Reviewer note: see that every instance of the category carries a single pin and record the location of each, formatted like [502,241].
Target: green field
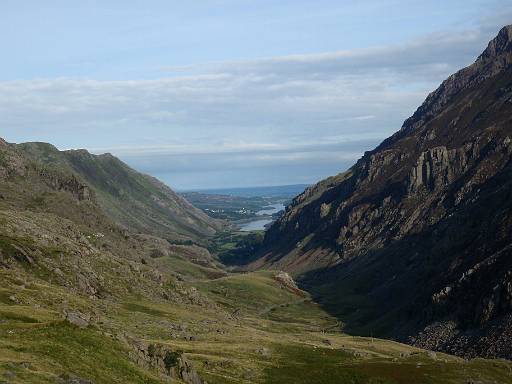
[241,328]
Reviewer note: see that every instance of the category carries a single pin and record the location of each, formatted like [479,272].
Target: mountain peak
[502,43]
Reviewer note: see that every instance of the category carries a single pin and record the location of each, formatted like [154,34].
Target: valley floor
[240,328]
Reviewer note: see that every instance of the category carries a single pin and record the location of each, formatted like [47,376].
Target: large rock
[79,319]
[167,362]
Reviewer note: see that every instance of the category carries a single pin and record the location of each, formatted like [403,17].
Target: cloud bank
[273,120]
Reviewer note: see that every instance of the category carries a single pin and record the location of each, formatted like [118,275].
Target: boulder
[79,319]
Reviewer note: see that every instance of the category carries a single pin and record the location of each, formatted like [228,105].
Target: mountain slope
[139,202]
[83,300]
[413,242]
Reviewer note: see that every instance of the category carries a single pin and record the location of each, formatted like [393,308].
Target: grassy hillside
[139,202]
[238,329]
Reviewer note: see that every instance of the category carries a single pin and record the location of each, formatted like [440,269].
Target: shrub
[171,359]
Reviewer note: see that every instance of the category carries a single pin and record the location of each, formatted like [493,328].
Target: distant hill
[137,201]
[273,191]
[414,241]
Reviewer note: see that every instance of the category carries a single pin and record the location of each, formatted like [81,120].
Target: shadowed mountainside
[414,241]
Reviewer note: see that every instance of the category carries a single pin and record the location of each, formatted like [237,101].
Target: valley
[247,328]
[85,300]
[395,271]
[248,209]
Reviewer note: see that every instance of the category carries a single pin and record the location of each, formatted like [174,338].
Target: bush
[171,359]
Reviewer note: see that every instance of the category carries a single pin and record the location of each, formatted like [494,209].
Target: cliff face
[414,241]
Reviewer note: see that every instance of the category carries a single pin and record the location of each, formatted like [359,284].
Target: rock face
[67,183]
[415,238]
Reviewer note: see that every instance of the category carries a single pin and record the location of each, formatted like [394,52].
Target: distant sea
[273,191]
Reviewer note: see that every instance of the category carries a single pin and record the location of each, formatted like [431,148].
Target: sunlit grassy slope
[243,328]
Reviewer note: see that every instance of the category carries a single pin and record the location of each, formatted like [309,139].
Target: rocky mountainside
[71,269]
[85,300]
[415,241]
[139,202]
[67,202]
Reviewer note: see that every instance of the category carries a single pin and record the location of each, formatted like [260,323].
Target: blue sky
[227,93]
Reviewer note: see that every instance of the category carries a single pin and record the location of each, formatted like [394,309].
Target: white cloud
[253,112]
[283,94]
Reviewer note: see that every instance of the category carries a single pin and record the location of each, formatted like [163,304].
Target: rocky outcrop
[78,319]
[288,283]
[67,183]
[170,363]
[418,227]
[15,163]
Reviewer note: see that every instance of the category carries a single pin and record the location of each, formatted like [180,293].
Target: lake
[259,224]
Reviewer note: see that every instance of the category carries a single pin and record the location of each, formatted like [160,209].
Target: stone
[72,379]
[263,351]
[79,319]
[171,363]
[187,373]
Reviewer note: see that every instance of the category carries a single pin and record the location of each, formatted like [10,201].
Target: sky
[230,93]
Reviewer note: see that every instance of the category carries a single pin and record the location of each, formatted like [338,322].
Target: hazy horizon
[225,190]
[230,93]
